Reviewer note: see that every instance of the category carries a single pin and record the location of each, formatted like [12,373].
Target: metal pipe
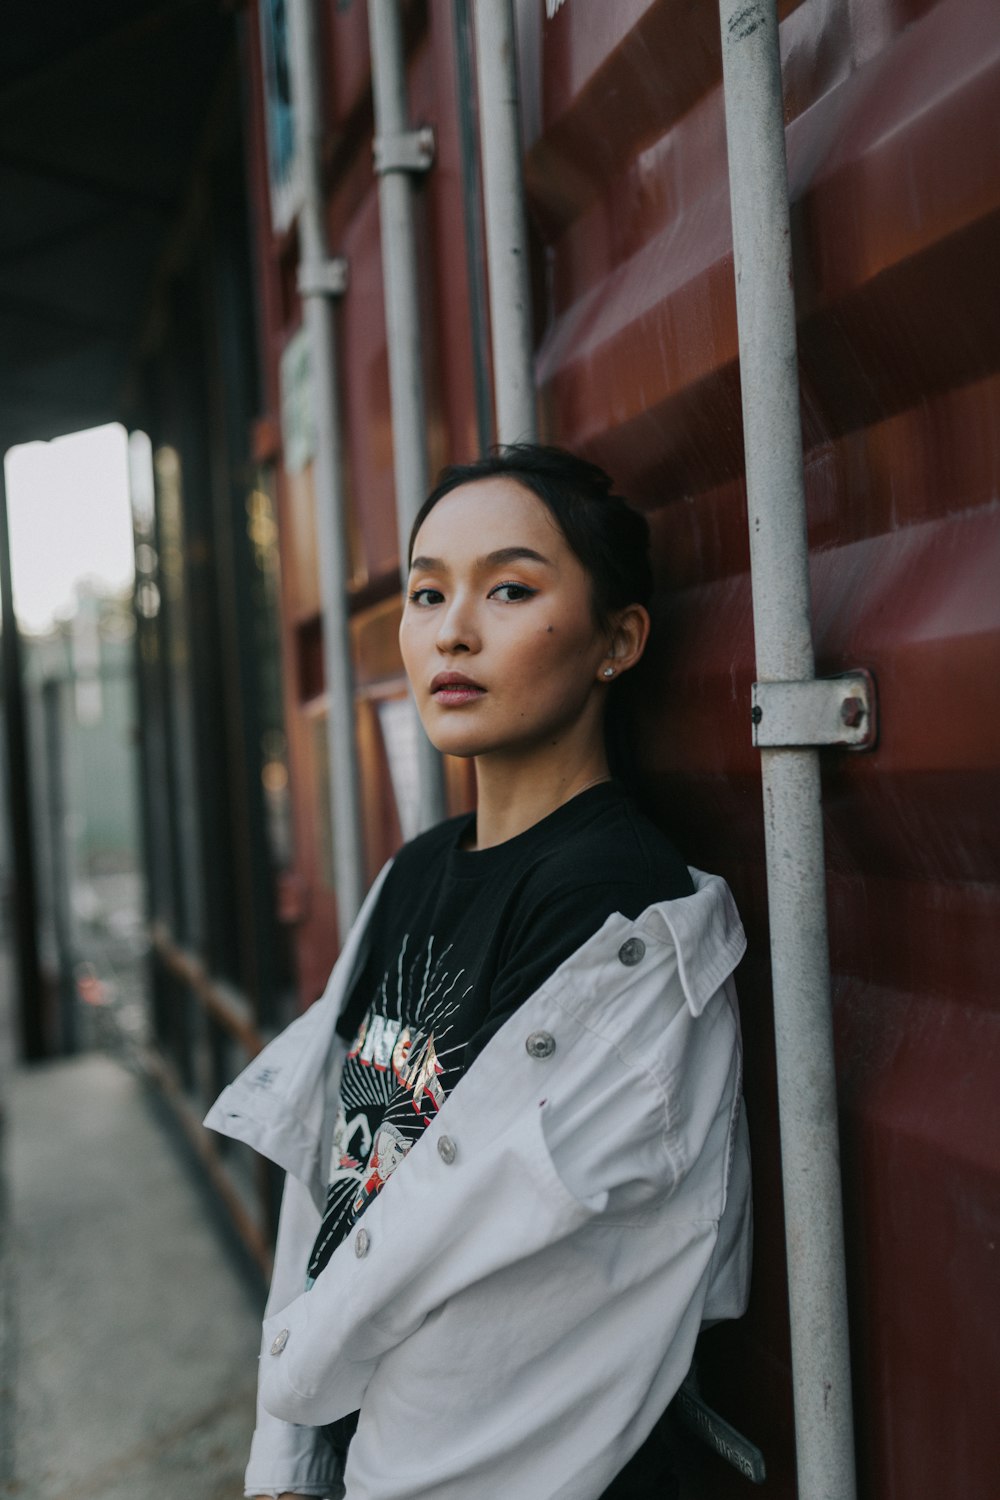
[472,201]
[399,154]
[779,561]
[506,223]
[315,285]
[23,889]
[59,838]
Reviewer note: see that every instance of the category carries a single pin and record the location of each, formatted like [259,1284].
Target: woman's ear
[628,636]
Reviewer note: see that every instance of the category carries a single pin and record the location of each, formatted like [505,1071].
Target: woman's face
[498,635]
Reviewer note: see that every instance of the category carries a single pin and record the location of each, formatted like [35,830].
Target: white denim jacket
[520,1303]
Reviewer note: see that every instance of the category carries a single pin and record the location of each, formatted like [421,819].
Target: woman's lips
[452,689]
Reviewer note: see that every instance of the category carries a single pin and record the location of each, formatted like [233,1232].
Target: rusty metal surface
[353,226]
[894,166]
[894,162]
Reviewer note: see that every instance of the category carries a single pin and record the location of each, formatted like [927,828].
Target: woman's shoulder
[614,845]
[602,858]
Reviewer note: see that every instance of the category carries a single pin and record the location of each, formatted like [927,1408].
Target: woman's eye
[512,593]
[426,596]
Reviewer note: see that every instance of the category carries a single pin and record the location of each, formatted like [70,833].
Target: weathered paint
[894,166]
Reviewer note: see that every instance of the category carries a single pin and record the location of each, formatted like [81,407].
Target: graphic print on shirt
[392,1085]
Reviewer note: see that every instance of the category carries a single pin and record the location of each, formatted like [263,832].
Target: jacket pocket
[548,1175]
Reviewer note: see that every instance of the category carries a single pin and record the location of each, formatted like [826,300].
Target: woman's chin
[461,746]
[452,731]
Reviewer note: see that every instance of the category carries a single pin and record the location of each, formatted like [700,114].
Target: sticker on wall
[282,155]
[400,727]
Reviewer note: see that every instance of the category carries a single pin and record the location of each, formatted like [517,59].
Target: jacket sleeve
[285,1456]
[278,1107]
[597,1137]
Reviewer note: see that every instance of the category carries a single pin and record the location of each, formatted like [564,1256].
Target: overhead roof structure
[103,105]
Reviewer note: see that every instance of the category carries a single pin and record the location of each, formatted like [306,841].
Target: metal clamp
[323,278]
[410,151]
[823,711]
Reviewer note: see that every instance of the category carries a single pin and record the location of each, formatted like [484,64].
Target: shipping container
[894,184]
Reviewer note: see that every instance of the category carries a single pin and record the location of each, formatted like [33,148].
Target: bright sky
[70,518]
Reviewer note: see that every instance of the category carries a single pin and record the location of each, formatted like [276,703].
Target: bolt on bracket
[821,711]
[323,278]
[408,151]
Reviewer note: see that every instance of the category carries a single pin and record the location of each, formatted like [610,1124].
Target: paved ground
[135,1337]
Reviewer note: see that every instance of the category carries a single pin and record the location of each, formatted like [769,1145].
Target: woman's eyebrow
[491,560]
[512,554]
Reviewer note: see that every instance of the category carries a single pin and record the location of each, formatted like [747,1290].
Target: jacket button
[632,952]
[280,1342]
[540,1044]
[447,1150]
[362,1244]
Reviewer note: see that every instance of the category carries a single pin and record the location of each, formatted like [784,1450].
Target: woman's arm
[287,1459]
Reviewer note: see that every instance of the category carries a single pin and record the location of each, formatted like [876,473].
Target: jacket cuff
[286,1457]
[323,1493]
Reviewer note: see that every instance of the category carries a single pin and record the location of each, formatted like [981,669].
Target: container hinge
[323,278]
[823,711]
[720,1436]
[409,151]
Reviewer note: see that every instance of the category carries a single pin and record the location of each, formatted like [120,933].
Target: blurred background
[71,539]
[215,428]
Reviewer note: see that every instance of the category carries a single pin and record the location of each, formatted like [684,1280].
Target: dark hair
[607,535]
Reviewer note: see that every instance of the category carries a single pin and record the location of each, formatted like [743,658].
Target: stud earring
[609,671]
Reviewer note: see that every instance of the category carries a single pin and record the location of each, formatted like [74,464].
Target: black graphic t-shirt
[458,940]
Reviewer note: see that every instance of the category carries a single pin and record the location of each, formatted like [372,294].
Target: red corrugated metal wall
[894,168]
[894,165]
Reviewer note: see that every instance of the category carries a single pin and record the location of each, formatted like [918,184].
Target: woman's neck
[513,797]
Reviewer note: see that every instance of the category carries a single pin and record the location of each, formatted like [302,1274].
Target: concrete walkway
[135,1343]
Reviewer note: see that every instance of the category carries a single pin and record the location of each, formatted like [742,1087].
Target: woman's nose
[456,631]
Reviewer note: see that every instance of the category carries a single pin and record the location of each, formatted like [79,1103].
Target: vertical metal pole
[472,200]
[331,500]
[402,317]
[779,560]
[506,224]
[59,844]
[18,794]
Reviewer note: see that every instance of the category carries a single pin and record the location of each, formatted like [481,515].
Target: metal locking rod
[790,773]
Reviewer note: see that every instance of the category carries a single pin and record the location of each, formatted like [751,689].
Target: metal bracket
[823,711]
[410,151]
[323,278]
[699,1418]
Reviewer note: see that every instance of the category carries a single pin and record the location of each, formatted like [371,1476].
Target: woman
[532,1031]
